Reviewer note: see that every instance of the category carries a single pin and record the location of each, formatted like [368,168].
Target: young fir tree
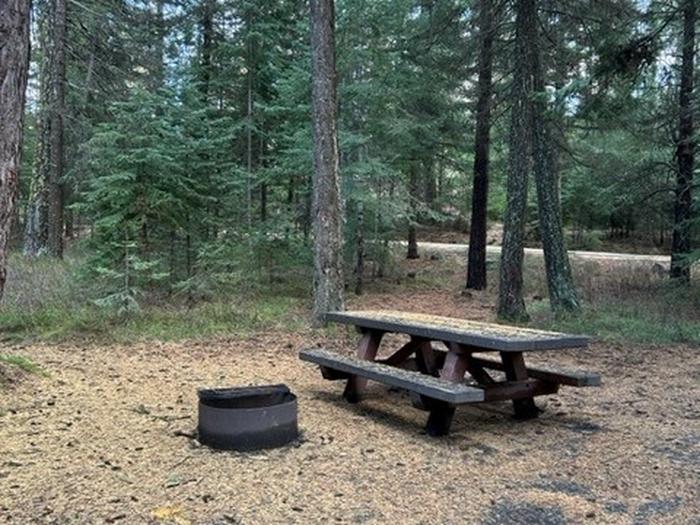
[140,192]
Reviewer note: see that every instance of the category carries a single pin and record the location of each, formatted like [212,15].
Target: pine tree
[327,205]
[511,305]
[476,265]
[57,109]
[562,292]
[685,150]
[141,193]
[14,66]
[36,238]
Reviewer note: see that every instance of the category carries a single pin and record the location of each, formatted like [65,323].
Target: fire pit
[247,418]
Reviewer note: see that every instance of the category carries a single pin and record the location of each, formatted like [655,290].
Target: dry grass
[35,282]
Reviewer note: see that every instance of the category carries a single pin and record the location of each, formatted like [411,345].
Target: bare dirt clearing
[104,438]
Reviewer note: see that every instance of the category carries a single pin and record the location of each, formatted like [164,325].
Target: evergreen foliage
[188,142]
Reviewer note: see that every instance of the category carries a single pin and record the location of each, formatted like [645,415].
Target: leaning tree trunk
[14,64]
[58,83]
[511,305]
[685,150]
[562,292]
[327,205]
[476,267]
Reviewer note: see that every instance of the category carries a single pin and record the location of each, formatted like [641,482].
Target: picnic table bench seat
[436,377]
[432,387]
[563,376]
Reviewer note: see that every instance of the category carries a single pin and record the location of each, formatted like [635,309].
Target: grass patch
[242,316]
[621,323]
[24,364]
[45,300]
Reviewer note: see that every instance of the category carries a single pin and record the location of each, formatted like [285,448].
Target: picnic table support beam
[367,350]
[515,370]
[425,357]
[402,354]
[441,413]
[425,363]
[477,371]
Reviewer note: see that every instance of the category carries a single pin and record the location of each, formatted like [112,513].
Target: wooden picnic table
[436,376]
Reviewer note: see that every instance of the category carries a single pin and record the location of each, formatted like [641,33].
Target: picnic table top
[486,336]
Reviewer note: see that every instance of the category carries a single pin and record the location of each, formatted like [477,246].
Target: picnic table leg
[441,413]
[514,367]
[426,364]
[367,350]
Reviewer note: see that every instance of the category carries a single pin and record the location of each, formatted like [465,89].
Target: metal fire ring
[247,418]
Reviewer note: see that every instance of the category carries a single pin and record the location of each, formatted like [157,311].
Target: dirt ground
[106,437]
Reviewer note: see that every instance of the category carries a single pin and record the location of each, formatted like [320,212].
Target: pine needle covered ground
[105,433]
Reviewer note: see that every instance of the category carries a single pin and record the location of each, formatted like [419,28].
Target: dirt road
[461,249]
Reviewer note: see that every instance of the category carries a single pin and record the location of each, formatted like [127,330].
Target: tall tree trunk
[207,28]
[685,151]
[14,64]
[476,267]
[412,251]
[263,184]
[360,249]
[36,228]
[249,126]
[511,305]
[327,205]
[263,201]
[157,73]
[562,292]
[430,190]
[58,84]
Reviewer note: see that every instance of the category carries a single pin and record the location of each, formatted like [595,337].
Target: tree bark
[511,305]
[157,73]
[562,292]
[207,28]
[327,205]
[263,184]
[412,251]
[360,249]
[430,193]
[685,151]
[14,64]
[249,125]
[36,227]
[58,83]
[476,266]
